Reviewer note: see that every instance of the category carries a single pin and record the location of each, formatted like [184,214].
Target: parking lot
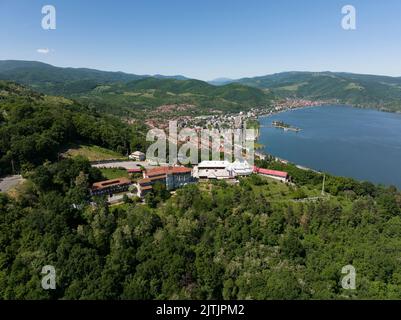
[125,164]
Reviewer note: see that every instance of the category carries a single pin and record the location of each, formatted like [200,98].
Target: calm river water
[360,143]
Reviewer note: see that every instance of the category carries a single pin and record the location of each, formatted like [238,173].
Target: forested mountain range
[380,92]
[55,80]
[117,92]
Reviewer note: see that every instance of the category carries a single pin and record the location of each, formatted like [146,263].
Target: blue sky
[206,39]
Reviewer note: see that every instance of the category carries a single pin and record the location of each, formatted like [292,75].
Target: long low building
[212,170]
[275,174]
[222,169]
[134,170]
[109,187]
[171,177]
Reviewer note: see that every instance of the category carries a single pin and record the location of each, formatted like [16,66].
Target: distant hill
[381,92]
[55,80]
[221,81]
[176,77]
[153,92]
[121,93]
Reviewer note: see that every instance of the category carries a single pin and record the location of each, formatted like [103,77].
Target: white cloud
[43,50]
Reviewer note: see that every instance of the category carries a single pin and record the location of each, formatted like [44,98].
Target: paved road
[123,164]
[9,182]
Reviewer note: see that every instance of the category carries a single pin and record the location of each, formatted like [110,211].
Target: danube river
[360,143]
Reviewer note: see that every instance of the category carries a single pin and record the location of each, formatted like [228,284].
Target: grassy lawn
[279,191]
[93,153]
[114,173]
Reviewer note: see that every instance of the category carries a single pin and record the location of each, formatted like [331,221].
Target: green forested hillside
[357,89]
[126,94]
[53,80]
[35,127]
[151,93]
[123,94]
[255,240]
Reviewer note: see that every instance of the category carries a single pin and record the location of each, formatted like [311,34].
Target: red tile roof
[158,177]
[142,181]
[167,170]
[269,172]
[109,183]
[135,170]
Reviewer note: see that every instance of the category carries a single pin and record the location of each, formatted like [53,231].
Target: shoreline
[272,113]
[262,152]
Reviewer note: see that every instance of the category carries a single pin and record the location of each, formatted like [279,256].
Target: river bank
[361,143]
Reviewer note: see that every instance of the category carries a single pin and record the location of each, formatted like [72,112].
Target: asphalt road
[124,164]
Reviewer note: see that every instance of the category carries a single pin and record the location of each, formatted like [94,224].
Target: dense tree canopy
[208,241]
[35,128]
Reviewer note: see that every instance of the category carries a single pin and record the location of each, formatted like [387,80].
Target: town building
[171,177]
[137,156]
[239,122]
[222,169]
[212,170]
[240,168]
[110,187]
[274,174]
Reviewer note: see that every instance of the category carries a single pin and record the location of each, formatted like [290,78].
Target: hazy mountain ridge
[357,89]
[115,90]
[58,80]
[118,91]
[221,81]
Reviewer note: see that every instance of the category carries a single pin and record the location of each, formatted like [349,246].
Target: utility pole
[12,165]
[324,180]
